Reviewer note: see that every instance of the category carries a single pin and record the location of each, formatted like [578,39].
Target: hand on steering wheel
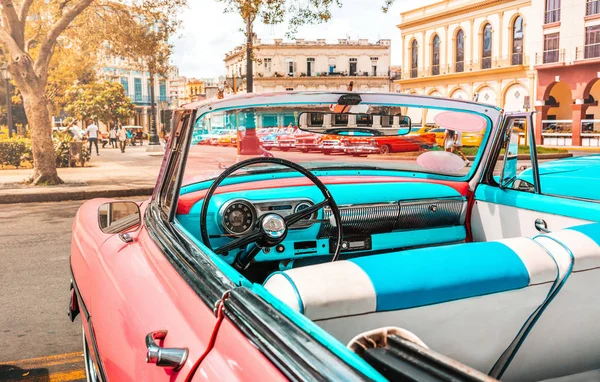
[271,228]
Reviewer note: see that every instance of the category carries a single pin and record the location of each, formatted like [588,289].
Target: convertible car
[247,267]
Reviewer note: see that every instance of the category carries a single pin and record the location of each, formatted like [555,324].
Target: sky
[207,33]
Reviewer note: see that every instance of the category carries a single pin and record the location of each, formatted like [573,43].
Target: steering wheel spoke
[239,243]
[295,218]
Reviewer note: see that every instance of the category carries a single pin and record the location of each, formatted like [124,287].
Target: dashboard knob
[344,245]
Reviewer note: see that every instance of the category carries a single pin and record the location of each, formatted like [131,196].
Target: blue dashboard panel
[344,194]
[574,208]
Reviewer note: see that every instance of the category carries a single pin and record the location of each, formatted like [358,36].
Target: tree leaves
[105,101]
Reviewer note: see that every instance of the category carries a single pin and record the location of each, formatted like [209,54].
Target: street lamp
[6,76]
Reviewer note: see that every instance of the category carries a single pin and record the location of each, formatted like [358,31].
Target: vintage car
[331,144]
[270,140]
[245,267]
[468,138]
[290,141]
[389,144]
[229,139]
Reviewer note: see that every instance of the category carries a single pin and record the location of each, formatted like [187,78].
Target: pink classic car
[242,267]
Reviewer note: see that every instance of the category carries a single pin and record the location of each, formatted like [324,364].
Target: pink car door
[139,292]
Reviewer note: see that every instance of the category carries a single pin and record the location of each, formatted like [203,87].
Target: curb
[62,196]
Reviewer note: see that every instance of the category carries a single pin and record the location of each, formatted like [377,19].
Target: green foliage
[105,101]
[13,151]
[66,149]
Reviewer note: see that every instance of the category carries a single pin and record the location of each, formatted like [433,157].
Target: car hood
[575,177]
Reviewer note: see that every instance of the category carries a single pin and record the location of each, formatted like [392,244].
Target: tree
[104,101]
[29,35]
[145,43]
[272,12]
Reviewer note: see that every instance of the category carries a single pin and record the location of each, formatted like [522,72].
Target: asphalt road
[37,339]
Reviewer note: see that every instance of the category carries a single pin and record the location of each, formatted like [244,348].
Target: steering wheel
[271,228]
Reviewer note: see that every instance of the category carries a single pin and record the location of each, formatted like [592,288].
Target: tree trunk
[249,66]
[44,160]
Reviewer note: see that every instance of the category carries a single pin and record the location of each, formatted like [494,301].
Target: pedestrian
[92,134]
[122,135]
[457,146]
[112,137]
[75,132]
[449,140]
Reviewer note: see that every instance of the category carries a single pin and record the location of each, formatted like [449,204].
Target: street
[37,339]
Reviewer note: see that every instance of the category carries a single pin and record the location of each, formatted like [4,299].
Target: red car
[388,144]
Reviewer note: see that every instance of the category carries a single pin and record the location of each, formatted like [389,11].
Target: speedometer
[238,217]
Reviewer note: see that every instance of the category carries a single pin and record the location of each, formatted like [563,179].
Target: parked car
[258,268]
[468,138]
[301,140]
[229,139]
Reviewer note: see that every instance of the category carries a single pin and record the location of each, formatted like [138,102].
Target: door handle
[164,357]
[541,226]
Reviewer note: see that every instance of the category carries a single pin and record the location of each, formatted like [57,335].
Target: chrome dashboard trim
[398,216]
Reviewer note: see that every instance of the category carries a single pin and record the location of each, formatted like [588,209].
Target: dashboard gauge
[303,206]
[238,217]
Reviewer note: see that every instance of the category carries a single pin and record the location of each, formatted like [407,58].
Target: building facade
[137,87]
[314,65]
[566,43]
[468,49]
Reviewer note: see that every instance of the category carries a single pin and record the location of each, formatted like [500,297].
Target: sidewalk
[112,174]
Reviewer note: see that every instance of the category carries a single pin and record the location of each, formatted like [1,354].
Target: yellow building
[468,49]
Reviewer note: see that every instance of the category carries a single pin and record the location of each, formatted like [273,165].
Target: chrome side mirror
[118,217]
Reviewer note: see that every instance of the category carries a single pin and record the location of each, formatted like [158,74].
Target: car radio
[362,243]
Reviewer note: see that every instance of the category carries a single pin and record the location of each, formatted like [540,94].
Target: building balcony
[487,63]
[587,52]
[320,75]
[554,56]
[144,100]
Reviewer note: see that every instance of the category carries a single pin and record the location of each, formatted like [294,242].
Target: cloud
[208,34]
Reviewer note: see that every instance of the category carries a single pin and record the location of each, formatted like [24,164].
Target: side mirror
[118,217]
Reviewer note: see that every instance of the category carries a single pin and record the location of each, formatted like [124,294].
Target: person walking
[92,134]
[122,135]
[449,140]
[457,146]
[112,137]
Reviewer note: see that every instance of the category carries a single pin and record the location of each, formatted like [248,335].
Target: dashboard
[375,218]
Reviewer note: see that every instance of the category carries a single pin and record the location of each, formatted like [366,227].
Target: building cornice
[305,46]
[461,10]
[515,70]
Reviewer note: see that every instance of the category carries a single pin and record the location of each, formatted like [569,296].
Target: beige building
[468,49]
[315,65]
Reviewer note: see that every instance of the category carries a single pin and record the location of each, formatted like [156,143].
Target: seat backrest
[467,301]
[566,338]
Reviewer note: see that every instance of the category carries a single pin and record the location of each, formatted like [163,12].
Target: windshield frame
[492,115]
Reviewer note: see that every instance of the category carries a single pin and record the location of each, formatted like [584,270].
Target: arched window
[517,42]
[435,56]
[486,45]
[459,55]
[414,65]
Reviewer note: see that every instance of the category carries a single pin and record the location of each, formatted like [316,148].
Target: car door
[522,195]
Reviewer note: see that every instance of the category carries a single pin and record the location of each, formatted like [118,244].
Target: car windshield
[391,138]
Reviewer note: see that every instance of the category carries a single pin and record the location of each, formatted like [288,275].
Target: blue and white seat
[566,338]
[467,301]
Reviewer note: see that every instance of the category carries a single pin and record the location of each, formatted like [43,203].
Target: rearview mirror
[361,124]
[117,217]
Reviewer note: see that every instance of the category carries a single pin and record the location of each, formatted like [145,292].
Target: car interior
[419,251]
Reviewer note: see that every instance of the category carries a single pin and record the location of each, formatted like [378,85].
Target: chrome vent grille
[431,213]
[363,218]
[404,215]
